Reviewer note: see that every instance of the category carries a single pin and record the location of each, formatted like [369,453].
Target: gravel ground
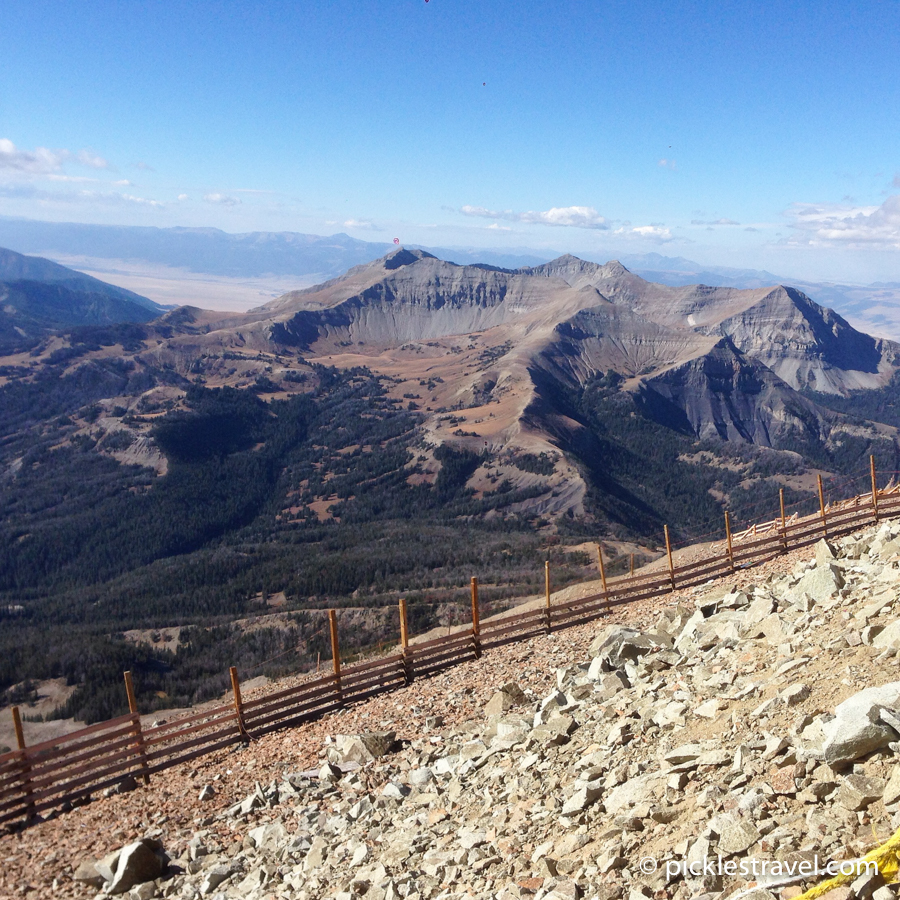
[38,861]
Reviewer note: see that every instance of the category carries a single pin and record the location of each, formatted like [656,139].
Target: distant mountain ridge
[874,308]
[19,267]
[806,345]
[38,297]
[216,252]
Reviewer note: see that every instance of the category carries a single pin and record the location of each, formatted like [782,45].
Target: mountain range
[396,430]
[500,361]
[118,252]
[507,345]
[215,252]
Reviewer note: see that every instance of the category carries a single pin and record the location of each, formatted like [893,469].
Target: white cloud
[896,181]
[221,199]
[836,225]
[73,179]
[659,234]
[41,161]
[123,182]
[495,227]
[182,196]
[667,164]
[360,223]
[144,167]
[90,159]
[21,191]
[564,216]
[141,201]
[714,222]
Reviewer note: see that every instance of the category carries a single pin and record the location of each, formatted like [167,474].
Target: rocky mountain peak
[612,279]
[403,257]
[614,269]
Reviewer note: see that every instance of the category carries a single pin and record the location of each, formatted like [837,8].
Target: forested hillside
[91,547]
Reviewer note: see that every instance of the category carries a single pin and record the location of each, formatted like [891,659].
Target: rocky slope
[756,719]
[805,344]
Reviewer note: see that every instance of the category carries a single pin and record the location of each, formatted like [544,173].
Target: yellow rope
[885,856]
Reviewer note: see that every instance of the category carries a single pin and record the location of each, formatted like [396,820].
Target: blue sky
[762,135]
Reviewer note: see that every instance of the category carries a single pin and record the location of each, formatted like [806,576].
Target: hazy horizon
[722,135]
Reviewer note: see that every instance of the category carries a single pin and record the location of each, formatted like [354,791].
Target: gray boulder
[857,728]
[889,637]
[215,876]
[608,683]
[361,748]
[859,791]
[507,696]
[702,633]
[583,796]
[824,553]
[737,837]
[87,873]
[141,861]
[760,609]
[635,790]
[106,867]
[617,645]
[819,584]
[892,788]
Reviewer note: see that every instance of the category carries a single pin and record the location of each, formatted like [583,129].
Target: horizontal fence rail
[64,771]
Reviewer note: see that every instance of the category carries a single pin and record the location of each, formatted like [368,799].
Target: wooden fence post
[17,725]
[784,538]
[404,641]
[476,619]
[547,592]
[138,731]
[25,769]
[728,539]
[602,574]
[631,567]
[669,554]
[238,702]
[874,486]
[404,625]
[335,652]
[822,507]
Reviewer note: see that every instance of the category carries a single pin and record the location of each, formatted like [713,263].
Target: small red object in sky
[397,240]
